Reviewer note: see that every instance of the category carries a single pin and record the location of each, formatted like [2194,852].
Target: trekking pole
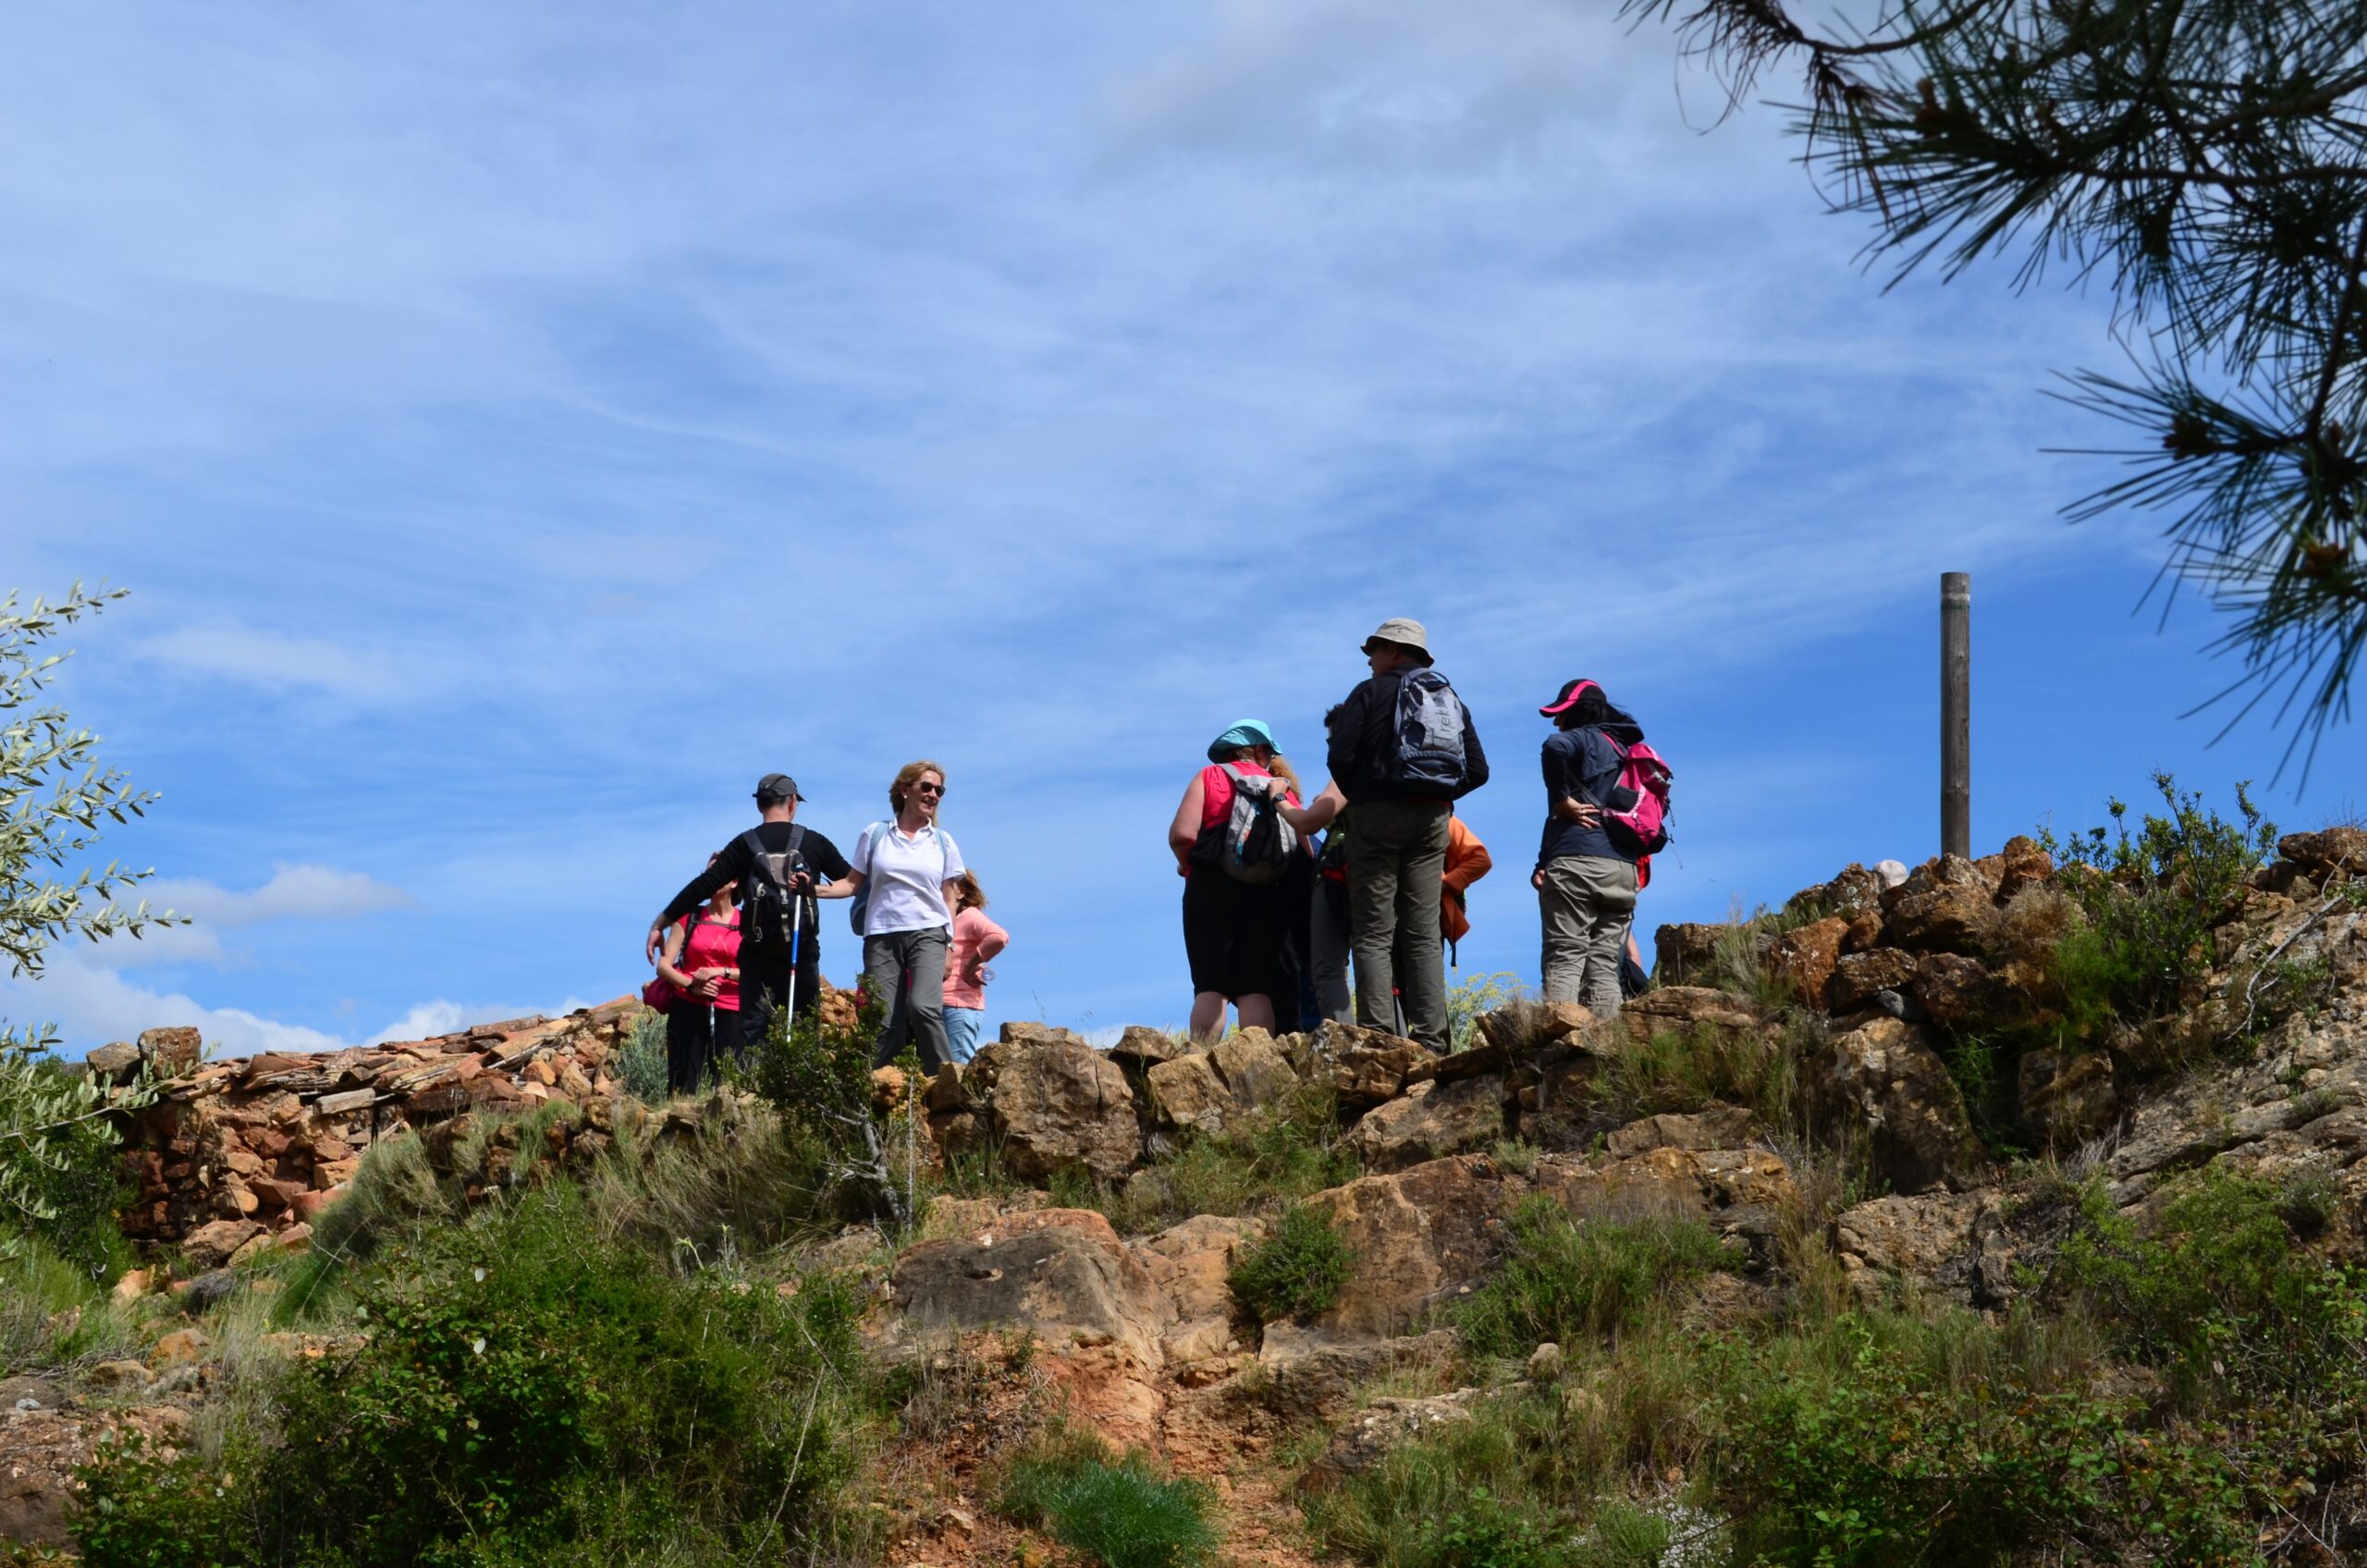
[796,943]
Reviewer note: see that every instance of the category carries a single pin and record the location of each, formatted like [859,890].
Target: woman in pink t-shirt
[702,960]
[1233,930]
[976,939]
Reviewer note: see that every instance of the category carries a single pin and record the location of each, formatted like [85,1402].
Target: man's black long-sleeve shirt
[1364,737]
[732,863]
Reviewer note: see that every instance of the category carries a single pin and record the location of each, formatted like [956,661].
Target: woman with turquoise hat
[1234,852]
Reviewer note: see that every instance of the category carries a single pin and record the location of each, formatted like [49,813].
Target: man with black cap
[1402,751]
[765,965]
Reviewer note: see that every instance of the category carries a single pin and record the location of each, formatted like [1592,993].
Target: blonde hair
[1276,763]
[973,896]
[908,776]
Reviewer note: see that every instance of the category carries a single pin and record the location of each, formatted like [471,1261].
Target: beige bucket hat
[1404,633]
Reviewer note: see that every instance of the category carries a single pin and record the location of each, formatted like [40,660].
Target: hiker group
[1272,923]
[1275,922]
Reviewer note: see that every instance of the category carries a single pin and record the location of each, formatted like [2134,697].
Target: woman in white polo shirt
[910,865]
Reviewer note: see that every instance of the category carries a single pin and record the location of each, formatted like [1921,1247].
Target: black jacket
[1364,740]
[731,864]
[1582,764]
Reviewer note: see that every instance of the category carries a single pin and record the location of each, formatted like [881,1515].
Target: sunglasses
[929,788]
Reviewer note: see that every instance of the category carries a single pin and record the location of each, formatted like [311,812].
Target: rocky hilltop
[1892,1074]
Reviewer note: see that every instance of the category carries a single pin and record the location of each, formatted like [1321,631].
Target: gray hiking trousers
[1586,906]
[907,970]
[1396,857]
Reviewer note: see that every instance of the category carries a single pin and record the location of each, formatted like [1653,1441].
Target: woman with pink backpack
[1606,800]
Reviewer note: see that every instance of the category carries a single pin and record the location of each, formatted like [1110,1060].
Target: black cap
[777,787]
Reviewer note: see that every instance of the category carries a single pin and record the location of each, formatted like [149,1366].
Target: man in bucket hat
[1402,751]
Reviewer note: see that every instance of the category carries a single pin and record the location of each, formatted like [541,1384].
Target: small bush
[1490,1532]
[2224,1300]
[1296,1270]
[1567,1279]
[526,1391]
[1118,1512]
[640,1066]
[1468,997]
[62,1168]
[1886,1460]
[2151,899]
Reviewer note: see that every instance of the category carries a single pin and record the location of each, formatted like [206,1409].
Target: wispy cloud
[273,661]
[294,892]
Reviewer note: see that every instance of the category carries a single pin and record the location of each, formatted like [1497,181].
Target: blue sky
[521,426]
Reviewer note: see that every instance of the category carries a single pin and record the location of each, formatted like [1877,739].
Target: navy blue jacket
[1581,763]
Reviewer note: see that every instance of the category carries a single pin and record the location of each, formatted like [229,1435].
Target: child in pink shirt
[976,939]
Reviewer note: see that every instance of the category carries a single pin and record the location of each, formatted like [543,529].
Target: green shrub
[2224,1300]
[1474,995]
[1488,1531]
[1885,1460]
[1565,1279]
[151,1510]
[66,1183]
[528,1390]
[816,1073]
[1118,1512]
[2152,898]
[640,1065]
[1296,1270]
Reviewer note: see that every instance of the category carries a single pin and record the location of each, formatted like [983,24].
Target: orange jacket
[1467,861]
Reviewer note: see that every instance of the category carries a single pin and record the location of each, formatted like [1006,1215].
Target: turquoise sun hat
[1248,732]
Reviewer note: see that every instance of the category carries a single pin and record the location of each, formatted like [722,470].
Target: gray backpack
[1254,844]
[1427,753]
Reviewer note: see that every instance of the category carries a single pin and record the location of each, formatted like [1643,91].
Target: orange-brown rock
[1804,956]
[1859,976]
[1944,906]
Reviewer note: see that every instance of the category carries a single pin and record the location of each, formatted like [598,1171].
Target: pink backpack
[1642,829]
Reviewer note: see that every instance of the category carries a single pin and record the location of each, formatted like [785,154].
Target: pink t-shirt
[974,936]
[1216,791]
[713,945]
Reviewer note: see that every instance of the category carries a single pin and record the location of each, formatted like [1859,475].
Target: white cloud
[276,661]
[92,1004]
[294,892]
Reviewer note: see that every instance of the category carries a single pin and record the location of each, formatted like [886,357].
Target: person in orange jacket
[1467,861]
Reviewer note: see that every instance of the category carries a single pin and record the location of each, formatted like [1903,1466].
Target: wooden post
[1955,714]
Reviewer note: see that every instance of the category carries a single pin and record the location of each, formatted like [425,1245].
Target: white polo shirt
[904,877]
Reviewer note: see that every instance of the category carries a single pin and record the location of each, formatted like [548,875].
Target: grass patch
[1297,1270]
[1685,1071]
[53,1315]
[1260,1165]
[1565,1279]
[1115,1510]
